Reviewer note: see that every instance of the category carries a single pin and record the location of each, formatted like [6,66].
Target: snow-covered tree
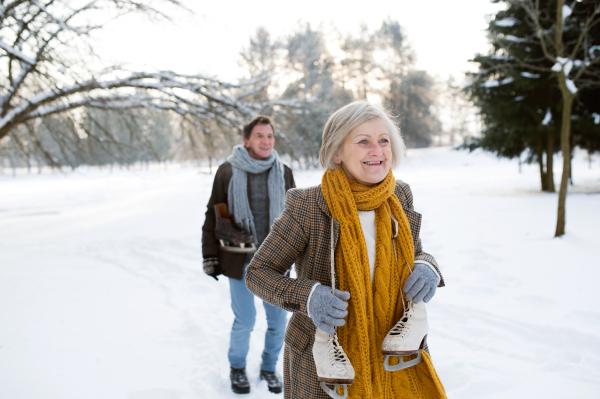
[568,39]
[47,68]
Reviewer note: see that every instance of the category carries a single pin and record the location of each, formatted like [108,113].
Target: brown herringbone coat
[302,236]
[232,264]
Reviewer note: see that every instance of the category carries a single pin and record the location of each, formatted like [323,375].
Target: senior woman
[357,231]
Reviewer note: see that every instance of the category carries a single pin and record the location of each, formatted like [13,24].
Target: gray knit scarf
[238,203]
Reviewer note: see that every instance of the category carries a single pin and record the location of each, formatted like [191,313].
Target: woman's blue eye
[363,142]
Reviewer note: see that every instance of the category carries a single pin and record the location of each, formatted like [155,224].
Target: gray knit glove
[327,310]
[421,284]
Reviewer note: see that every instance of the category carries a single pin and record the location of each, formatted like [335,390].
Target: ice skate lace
[407,264]
[401,328]
[336,353]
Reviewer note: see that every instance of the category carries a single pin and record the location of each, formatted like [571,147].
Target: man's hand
[421,284]
[211,267]
[327,310]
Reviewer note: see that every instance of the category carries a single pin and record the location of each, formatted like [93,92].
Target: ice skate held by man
[248,194]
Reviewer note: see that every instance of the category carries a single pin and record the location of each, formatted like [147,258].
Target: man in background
[253,183]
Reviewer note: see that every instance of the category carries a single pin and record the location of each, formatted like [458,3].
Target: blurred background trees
[61,105]
[60,111]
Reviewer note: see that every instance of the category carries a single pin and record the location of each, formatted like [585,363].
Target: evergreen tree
[520,109]
[557,45]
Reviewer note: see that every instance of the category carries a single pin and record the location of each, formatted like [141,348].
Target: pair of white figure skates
[408,337]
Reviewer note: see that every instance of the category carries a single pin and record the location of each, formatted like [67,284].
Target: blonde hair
[350,116]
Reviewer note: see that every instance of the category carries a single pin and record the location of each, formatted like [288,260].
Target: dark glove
[327,310]
[421,284]
[211,267]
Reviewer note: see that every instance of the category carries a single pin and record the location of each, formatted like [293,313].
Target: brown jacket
[232,264]
[302,236]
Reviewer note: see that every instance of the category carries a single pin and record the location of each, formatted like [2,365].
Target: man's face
[261,141]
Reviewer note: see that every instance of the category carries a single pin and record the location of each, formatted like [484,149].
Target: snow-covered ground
[102,294]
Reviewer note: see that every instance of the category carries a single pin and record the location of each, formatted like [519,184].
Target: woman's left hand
[421,284]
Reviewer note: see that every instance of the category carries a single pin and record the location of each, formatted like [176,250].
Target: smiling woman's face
[366,155]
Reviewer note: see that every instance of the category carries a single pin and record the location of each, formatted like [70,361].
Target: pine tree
[559,45]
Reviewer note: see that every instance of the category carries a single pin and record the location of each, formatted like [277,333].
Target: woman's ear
[337,160]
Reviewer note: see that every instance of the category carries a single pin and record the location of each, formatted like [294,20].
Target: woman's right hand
[328,310]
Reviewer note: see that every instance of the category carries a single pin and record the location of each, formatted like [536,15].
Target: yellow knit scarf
[374,308]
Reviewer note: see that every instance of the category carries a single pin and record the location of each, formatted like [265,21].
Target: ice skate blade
[230,248]
[342,381]
[400,353]
[402,364]
[333,392]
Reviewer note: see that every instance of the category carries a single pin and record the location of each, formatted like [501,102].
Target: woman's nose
[375,151]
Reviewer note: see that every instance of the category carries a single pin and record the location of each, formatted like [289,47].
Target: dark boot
[239,381]
[225,231]
[272,380]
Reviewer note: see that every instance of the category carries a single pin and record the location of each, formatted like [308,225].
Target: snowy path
[102,294]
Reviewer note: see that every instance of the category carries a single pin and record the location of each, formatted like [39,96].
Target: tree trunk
[540,157]
[565,146]
[550,163]
[571,155]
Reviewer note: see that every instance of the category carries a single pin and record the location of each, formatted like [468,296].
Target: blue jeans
[242,304]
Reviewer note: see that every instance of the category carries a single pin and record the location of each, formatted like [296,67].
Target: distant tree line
[61,105]
[323,71]
[114,118]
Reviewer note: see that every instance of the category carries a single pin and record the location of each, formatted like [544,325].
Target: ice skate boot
[231,238]
[333,366]
[408,337]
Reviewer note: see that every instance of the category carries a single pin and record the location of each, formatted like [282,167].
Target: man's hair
[257,120]
[345,119]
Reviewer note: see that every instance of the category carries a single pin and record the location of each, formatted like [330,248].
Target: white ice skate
[333,366]
[408,337]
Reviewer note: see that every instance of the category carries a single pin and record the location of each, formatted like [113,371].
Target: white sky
[444,34]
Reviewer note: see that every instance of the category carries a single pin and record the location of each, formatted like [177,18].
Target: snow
[501,57]
[512,38]
[495,83]
[563,63]
[16,52]
[102,292]
[547,117]
[596,118]
[566,12]
[519,98]
[571,86]
[506,22]
[568,67]
[530,75]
